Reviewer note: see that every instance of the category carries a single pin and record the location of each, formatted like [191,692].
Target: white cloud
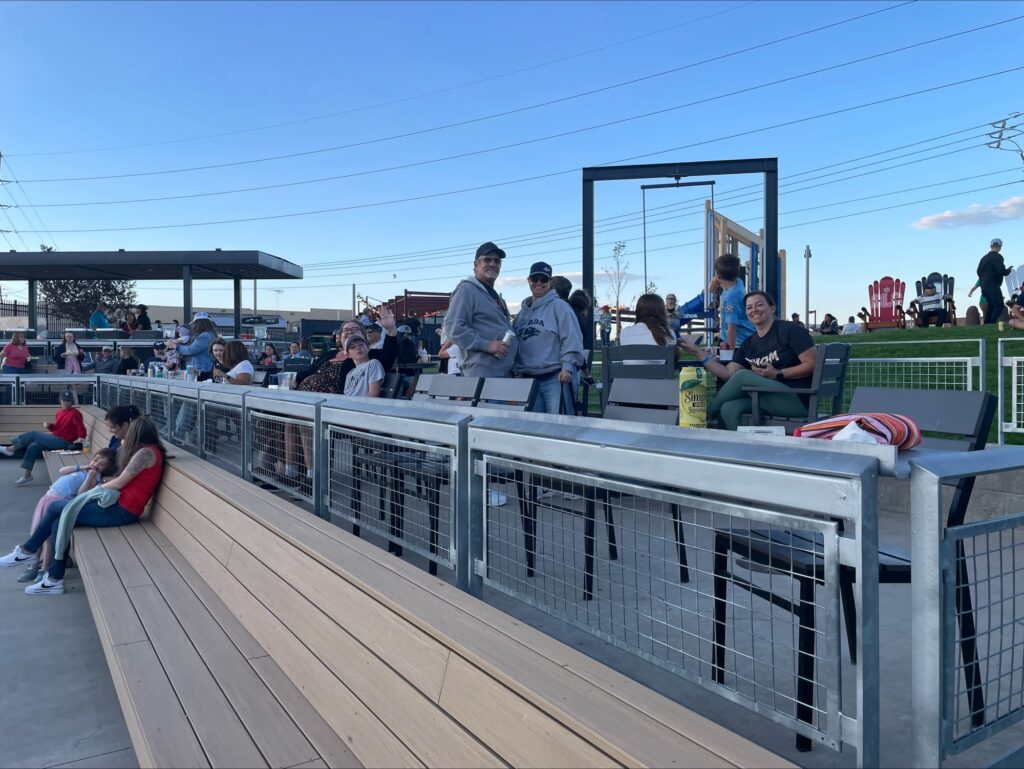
[1013,208]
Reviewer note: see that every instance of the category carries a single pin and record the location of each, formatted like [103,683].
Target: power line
[728,196]
[698,207]
[669,247]
[392,102]
[530,235]
[10,170]
[561,100]
[448,193]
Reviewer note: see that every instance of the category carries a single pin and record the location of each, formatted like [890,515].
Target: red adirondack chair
[885,298]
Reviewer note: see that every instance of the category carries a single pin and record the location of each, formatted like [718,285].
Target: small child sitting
[66,428]
[73,481]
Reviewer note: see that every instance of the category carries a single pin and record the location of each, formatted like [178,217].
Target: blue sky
[112,89]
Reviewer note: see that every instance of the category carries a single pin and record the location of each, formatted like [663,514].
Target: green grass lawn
[960,342]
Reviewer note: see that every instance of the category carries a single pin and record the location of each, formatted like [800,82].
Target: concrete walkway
[57,703]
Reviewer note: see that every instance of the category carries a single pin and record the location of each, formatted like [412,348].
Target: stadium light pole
[807,287]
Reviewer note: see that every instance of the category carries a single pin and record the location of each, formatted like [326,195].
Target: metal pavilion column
[186,302]
[238,306]
[33,307]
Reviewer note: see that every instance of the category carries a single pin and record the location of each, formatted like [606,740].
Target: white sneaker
[46,587]
[547,494]
[496,499]
[7,451]
[23,480]
[18,557]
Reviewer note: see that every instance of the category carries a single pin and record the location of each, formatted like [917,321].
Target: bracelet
[707,358]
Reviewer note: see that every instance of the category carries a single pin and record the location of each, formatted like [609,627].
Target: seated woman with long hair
[140,466]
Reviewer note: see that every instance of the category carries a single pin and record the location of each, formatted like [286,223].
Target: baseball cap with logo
[489,248]
[997,242]
[540,268]
[67,396]
[403,329]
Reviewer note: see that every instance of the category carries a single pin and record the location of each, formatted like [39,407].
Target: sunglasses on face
[539,279]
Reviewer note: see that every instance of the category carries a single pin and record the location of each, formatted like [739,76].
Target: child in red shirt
[67,428]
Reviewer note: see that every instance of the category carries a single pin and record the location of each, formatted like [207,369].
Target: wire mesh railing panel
[283,452]
[984,608]
[108,394]
[124,395]
[48,393]
[222,435]
[184,423]
[159,407]
[140,399]
[743,601]
[8,394]
[910,373]
[1012,413]
[400,489]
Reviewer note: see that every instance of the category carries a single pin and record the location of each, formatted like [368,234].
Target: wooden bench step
[228,704]
[358,586]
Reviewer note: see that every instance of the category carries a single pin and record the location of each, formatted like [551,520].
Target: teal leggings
[731,403]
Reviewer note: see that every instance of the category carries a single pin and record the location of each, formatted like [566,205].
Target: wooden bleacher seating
[243,631]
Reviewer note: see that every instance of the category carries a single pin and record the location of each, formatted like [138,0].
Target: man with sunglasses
[550,342]
[478,320]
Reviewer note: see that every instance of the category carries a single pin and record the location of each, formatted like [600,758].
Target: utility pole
[354,313]
[254,296]
[807,287]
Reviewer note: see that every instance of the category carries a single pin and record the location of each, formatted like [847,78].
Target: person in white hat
[991,271]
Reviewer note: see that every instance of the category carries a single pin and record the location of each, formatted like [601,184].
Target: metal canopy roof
[144,265]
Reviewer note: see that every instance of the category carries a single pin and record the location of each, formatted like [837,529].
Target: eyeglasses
[539,279]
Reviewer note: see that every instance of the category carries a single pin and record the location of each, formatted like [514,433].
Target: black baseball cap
[540,268]
[67,396]
[489,248]
[160,346]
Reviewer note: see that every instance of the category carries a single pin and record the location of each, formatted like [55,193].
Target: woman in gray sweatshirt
[550,342]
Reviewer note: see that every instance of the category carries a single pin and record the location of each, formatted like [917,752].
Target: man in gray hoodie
[478,320]
[550,342]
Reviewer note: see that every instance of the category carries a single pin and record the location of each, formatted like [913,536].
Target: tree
[652,287]
[618,278]
[77,298]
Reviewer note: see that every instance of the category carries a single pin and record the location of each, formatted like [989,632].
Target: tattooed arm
[142,459]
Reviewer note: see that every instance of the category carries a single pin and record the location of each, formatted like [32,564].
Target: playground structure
[769,276]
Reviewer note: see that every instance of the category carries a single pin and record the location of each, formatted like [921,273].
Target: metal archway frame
[768,167]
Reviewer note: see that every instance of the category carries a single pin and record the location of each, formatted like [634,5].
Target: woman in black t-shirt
[779,356]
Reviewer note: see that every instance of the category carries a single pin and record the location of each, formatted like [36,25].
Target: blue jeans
[551,395]
[34,444]
[91,515]
[12,370]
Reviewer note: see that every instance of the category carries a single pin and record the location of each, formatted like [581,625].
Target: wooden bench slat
[151,700]
[495,649]
[115,616]
[269,725]
[220,731]
[130,570]
[328,744]
[363,732]
[471,698]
